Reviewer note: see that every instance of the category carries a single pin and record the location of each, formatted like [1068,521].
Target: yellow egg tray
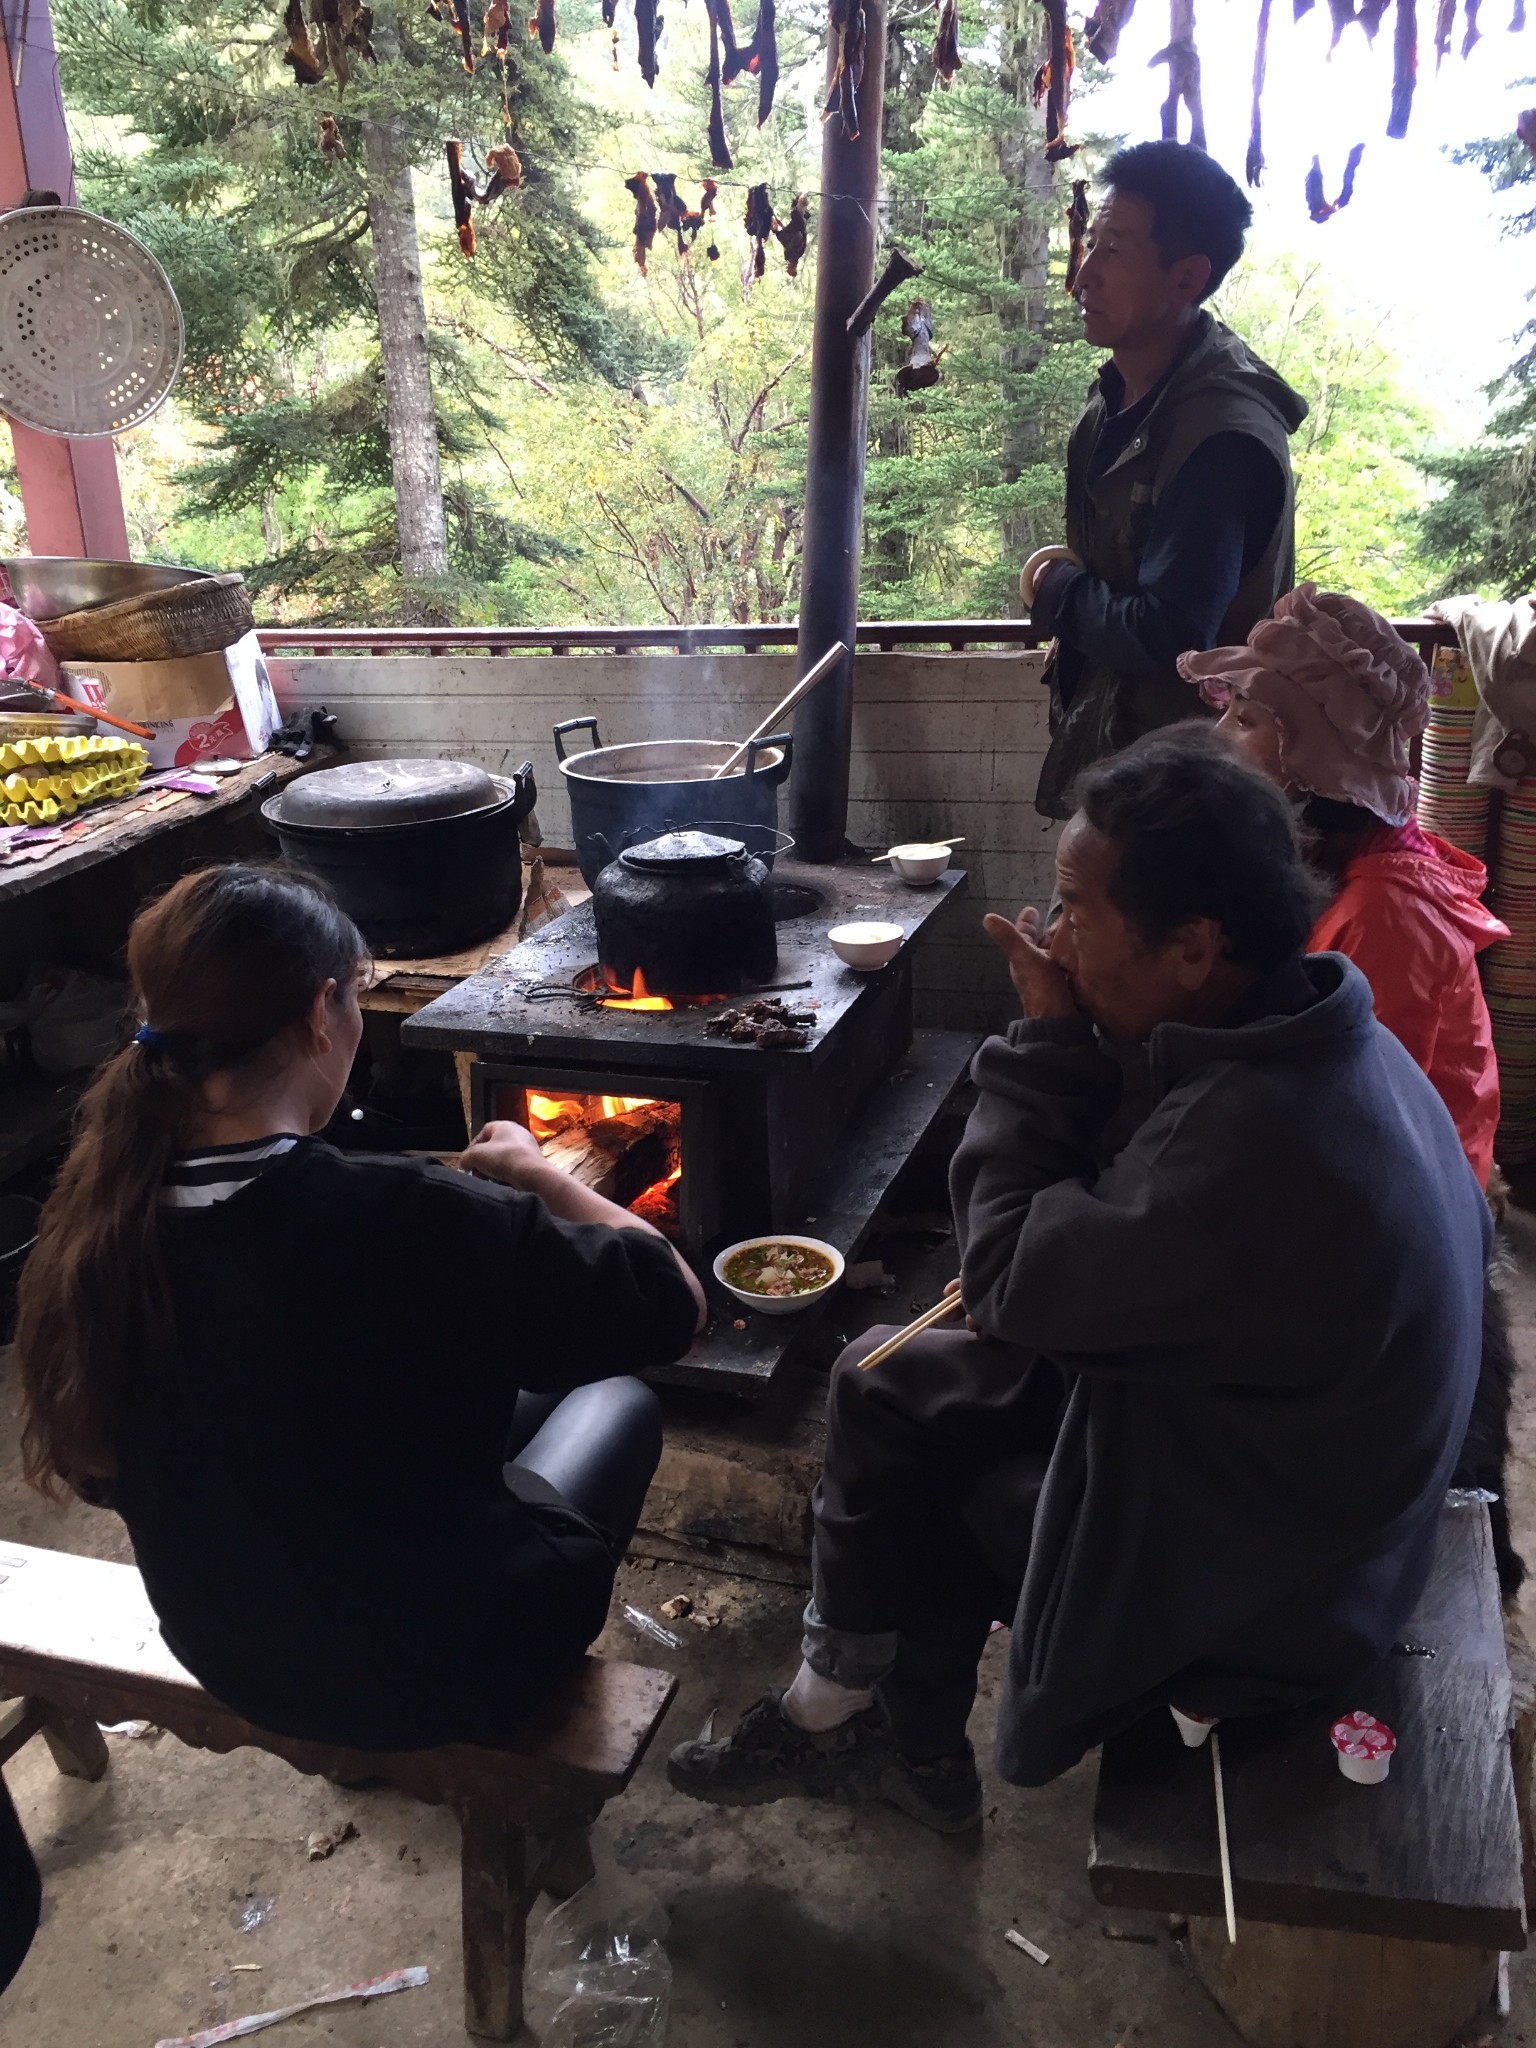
[89,771]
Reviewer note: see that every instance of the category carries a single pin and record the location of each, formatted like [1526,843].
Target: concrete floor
[793,1926]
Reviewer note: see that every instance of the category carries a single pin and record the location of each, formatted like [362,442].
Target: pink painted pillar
[70,490]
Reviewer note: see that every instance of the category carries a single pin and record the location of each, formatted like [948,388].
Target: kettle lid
[673,851]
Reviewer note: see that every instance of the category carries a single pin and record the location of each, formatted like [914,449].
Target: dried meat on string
[847,29]
[762,58]
[1474,34]
[719,143]
[301,57]
[920,372]
[647,27]
[760,224]
[645,217]
[466,38]
[1254,169]
[331,144]
[1077,228]
[1183,61]
[506,169]
[946,44]
[1105,26]
[541,23]
[1319,205]
[1053,83]
[462,191]
[795,233]
[1405,67]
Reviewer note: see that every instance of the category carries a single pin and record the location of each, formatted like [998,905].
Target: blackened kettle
[689,912]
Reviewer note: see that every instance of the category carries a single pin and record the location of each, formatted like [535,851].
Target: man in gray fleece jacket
[1196,1440]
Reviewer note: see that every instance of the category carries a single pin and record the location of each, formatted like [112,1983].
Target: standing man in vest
[1180,503]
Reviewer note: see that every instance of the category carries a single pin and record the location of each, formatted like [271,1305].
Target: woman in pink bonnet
[1326,699]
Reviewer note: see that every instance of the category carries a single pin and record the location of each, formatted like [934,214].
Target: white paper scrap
[253,2023]
[1019,1941]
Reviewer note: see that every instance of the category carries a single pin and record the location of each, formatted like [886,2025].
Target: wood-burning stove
[766,1137]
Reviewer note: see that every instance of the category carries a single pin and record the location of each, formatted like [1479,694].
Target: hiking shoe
[767,1757]
[944,1795]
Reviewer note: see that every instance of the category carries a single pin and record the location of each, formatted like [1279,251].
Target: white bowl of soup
[866,947]
[919,864]
[780,1274]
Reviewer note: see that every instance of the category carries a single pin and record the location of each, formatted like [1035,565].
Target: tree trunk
[1026,244]
[403,344]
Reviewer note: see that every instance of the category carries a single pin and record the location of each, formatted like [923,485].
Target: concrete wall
[943,743]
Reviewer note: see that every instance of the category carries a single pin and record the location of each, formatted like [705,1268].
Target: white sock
[818,1704]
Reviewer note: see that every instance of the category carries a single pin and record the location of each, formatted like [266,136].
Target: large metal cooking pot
[424,856]
[623,794]
[688,910]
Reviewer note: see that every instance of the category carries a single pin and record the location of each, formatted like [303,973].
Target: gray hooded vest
[1218,386]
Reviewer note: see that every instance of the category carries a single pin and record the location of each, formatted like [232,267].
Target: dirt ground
[793,1926]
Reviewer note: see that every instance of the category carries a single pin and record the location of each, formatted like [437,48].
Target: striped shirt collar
[196,1180]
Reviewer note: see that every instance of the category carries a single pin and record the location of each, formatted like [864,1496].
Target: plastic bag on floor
[597,1974]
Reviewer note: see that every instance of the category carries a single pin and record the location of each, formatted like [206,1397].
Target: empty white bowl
[919,864]
[866,946]
[780,1304]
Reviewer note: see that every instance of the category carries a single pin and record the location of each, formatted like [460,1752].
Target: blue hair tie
[148,1036]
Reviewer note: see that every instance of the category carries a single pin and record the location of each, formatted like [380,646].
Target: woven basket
[197,617]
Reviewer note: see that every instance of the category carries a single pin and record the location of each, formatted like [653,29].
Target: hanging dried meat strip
[1105,26]
[506,169]
[921,369]
[462,190]
[645,217]
[1474,34]
[760,224]
[1053,83]
[847,30]
[1405,67]
[1445,29]
[706,211]
[1077,228]
[301,57]
[647,23]
[331,144]
[1371,15]
[733,55]
[541,23]
[1254,169]
[1183,61]
[719,144]
[466,38]
[946,44]
[669,208]
[1300,9]
[1319,205]
[763,57]
[497,30]
[795,233]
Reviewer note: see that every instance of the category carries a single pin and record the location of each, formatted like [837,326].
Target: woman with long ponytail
[367,1420]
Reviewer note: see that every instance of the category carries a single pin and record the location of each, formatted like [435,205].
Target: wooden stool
[1369,1916]
[79,1643]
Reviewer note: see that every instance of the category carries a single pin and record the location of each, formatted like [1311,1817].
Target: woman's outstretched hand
[1043,988]
[507,1152]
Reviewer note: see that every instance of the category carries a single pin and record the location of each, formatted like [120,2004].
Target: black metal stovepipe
[834,470]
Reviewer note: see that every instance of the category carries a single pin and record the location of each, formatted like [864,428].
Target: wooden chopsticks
[936,1314]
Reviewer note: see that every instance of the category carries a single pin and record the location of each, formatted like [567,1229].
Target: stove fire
[611,993]
[627,1147]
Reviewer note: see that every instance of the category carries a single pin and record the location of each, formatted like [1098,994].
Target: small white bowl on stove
[866,947]
[780,1304]
[919,864]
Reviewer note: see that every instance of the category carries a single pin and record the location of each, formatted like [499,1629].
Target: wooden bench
[1369,1916]
[79,1645]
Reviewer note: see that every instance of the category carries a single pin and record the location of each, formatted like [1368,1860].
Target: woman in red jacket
[1326,700]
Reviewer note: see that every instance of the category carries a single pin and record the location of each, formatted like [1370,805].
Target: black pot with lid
[691,912]
[424,855]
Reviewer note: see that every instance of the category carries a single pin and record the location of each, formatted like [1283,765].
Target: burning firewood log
[645,217]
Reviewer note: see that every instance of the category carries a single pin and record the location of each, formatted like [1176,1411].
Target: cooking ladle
[807,682]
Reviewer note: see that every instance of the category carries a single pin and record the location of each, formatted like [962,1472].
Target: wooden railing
[955,636]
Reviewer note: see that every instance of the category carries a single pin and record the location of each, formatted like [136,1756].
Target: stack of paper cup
[1448,804]
[1364,1747]
[1191,1727]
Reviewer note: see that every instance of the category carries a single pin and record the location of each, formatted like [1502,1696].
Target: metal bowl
[49,586]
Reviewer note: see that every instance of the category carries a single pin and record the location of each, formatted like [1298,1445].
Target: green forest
[572,440]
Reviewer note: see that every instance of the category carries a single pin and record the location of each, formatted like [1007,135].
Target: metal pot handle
[786,740]
[574,725]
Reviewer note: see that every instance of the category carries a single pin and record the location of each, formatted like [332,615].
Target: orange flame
[638,997]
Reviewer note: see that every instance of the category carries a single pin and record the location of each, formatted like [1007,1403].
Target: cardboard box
[199,708]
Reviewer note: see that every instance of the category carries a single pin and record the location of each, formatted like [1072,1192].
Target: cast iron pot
[623,794]
[424,856]
[691,911]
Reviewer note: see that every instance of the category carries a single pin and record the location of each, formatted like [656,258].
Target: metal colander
[90,331]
